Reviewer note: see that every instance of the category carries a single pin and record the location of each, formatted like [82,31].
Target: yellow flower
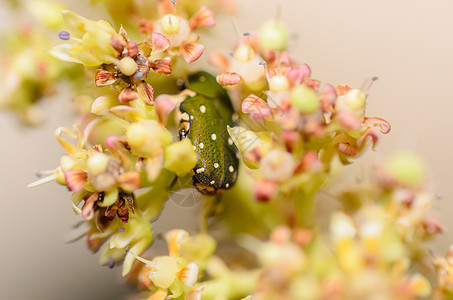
[88,42]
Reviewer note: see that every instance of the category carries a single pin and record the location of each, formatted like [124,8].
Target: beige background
[408,44]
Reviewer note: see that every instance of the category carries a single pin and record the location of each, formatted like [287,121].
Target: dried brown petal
[129,181]
[278,70]
[110,212]
[75,179]
[89,206]
[219,60]
[347,149]
[160,42]
[127,95]
[123,214]
[146,93]
[228,78]
[132,49]
[204,17]
[256,107]
[129,199]
[145,48]
[145,26]
[161,65]
[123,34]
[342,89]
[117,43]
[314,84]
[104,78]
[191,51]
[383,126]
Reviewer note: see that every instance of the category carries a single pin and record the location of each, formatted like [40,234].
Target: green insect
[205,119]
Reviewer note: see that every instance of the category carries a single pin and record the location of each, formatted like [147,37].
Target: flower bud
[406,168]
[147,137]
[273,35]
[304,99]
[136,135]
[97,163]
[355,99]
[277,165]
[243,53]
[180,157]
[127,66]
[170,24]
[278,83]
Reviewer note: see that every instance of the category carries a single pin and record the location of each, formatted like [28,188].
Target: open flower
[87,42]
[171,275]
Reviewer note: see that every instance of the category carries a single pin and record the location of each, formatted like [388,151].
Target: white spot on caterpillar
[213,137]
[231,169]
[199,170]
[201,145]
[227,185]
[216,165]
[202,109]
[212,182]
[192,117]
[230,141]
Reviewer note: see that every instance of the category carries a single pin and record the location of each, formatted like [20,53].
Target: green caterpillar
[207,115]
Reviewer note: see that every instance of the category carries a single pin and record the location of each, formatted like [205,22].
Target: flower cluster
[259,140]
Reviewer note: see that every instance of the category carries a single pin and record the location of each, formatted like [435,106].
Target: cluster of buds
[303,126]
[363,257]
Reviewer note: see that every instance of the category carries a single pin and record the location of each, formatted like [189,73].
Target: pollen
[216,165]
[212,182]
[227,185]
[202,109]
[230,141]
[200,170]
[213,137]
[201,145]
[231,169]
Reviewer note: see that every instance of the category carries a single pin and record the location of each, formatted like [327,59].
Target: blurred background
[408,44]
